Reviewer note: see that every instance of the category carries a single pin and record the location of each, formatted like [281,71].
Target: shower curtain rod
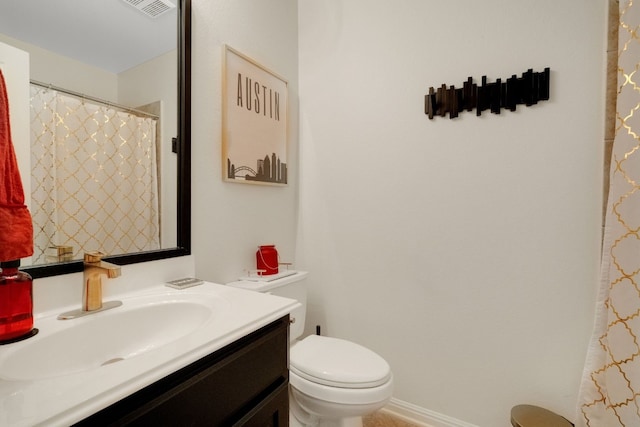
[94,99]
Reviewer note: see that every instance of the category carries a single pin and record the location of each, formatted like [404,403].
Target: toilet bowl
[335,381]
[332,382]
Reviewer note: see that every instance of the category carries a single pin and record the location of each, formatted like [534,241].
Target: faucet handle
[94,256]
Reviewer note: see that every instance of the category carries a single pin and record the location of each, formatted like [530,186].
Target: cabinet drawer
[272,412]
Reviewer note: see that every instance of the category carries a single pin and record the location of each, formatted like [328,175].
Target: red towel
[16,228]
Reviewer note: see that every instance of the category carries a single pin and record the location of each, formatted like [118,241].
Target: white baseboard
[421,416]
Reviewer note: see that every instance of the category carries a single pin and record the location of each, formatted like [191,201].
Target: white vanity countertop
[64,400]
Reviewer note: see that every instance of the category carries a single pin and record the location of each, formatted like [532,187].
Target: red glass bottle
[16,301]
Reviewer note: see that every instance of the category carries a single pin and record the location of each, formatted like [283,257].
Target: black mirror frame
[184,168]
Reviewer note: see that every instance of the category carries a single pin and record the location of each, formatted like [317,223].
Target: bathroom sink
[74,368]
[141,324]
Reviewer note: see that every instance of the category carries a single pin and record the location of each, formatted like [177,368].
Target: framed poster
[254,122]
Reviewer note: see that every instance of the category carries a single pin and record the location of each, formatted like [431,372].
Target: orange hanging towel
[16,228]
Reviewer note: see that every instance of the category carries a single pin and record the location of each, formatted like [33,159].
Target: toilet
[332,382]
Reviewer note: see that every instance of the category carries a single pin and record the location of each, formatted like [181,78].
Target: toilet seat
[338,395]
[338,363]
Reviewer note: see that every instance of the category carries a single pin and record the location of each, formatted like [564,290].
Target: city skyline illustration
[268,169]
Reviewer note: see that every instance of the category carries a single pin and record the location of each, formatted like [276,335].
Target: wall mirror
[139,51]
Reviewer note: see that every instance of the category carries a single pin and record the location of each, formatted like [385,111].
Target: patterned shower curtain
[94,177]
[610,391]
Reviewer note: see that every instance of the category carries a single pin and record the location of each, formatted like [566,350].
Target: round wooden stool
[534,416]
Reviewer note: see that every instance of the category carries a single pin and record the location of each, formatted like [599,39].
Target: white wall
[51,68]
[464,251]
[231,220]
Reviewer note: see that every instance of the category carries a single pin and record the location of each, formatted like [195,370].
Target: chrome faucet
[94,268]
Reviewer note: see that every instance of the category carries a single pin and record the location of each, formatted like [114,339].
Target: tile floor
[380,419]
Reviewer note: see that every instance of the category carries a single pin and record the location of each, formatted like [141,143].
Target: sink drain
[110,361]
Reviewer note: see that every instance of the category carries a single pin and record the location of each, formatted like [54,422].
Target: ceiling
[109,34]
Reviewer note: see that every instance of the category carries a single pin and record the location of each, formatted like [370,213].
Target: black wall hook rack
[528,89]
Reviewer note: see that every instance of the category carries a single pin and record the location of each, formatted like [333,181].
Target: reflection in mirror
[105,173]
[94,177]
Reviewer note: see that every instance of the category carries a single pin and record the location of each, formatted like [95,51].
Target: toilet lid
[338,363]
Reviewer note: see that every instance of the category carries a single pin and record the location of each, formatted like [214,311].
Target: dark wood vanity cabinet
[242,384]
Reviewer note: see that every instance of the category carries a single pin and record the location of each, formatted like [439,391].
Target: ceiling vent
[151,8]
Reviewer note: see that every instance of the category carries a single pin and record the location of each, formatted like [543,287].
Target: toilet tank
[293,285]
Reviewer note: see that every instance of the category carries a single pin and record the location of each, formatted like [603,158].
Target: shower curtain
[610,390]
[94,177]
